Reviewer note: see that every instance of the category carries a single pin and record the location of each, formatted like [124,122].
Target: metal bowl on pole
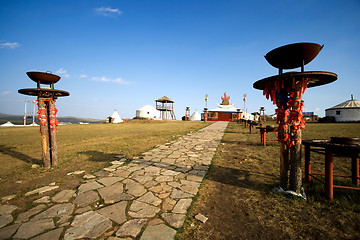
[285,91]
[46,97]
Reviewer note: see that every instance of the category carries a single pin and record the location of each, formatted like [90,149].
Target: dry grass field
[81,147]
[237,194]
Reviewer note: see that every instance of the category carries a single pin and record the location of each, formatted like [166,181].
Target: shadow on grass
[241,178]
[97,156]
[19,155]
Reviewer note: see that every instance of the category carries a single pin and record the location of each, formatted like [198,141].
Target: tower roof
[164,99]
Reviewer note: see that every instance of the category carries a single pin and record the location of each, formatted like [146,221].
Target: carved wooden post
[44,131]
[53,131]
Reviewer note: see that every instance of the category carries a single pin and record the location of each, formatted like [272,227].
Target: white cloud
[63,73]
[100,79]
[82,76]
[9,45]
[5,93]
[120,81]
[108,12]
[116,80]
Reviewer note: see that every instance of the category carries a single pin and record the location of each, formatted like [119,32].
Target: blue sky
[125,54]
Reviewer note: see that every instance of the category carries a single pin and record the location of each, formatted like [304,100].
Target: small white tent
[7,124]
[148,112]
[116,117]
[195,116]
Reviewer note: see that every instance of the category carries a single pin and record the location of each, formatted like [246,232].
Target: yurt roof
[224,108]
[164,99]
[147,107]
[350,104]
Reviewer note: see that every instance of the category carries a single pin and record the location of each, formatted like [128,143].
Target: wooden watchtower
[166,107]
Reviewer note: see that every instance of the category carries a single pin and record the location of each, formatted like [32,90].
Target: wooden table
[264,131]
[330,149]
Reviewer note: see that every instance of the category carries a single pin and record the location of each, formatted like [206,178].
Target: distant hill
[19,119]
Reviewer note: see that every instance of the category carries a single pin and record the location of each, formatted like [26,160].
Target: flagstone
[164,178]
[176,193]
[56,211]
[51,235]
[189,189]
[182,205]
[131,228]
[34,227]
[24,216]
[63,196]
[5,219]
[41,190]
[114,193]
[174,219]
[168,204]
[150,198]
[6,232]
[86,198]
[135,188]
[45,199]
[92,185]
[7,209]
[89,176]
[107,181]
[88,225]
[115,212]
[160,231]
[142,210]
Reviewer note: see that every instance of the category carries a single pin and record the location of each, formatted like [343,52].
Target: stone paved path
[147,197]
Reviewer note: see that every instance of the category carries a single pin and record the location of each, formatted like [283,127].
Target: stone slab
[63,196]
[134,188]
[107,181]
[150,198]
[34,227]
[86,198]
[6,232]
[5,219]
[24,216]
[51,235]
[182,206]
[87,225]
[174,219]
[114,193]
[142,210]
[57,210]
[115,212]
[158,232]
[7,209]
[41,190]
[92,185]
[131,228]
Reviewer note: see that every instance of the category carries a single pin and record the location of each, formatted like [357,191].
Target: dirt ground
[238,200]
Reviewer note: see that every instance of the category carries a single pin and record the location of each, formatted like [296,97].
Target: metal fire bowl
[43,77]
[43,92]
[317,78]
[345,140]
[292,55]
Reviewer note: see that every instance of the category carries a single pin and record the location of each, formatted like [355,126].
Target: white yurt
[148,112]
[115,118]
[195,116]
[348,111]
